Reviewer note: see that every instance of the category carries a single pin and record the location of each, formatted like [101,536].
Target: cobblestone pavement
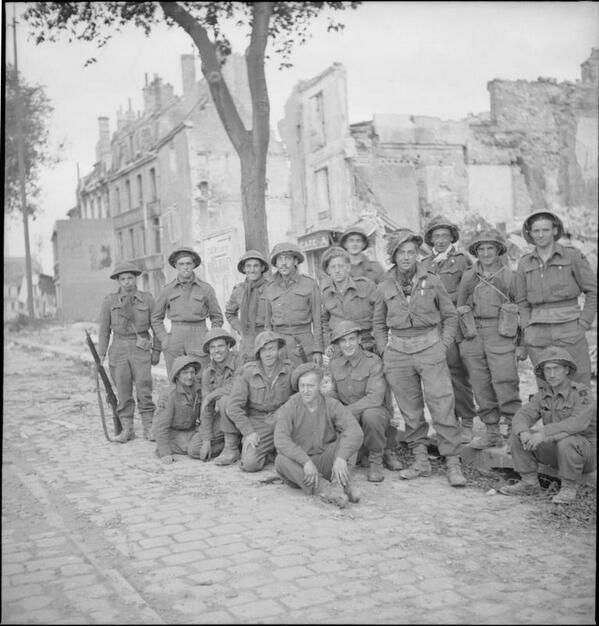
[94,532]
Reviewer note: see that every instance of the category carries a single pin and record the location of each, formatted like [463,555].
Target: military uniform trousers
[572,456]
[254,458]
[190,441]
[291,348]
[374,423]
[460,381]
[568,335]
[407,375]
[185,338]
[491,363]
[292,472]
[128,364]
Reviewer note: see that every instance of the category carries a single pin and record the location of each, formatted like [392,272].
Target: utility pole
[21,163]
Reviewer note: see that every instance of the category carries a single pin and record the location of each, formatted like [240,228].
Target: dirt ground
[94,532]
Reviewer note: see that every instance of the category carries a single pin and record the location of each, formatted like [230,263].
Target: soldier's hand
[250,440]
[317,358]
[205,450]
[167,459]
[310,474]
[155,358]
[521,353]
[534,440]
[340,471]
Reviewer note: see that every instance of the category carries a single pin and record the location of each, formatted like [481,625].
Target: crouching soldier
[133,350]
[178,413]
[358,382]
[558,427]
[317,439]
[489,320]
[414,307]
[246,308]
[261,388]
[217,380]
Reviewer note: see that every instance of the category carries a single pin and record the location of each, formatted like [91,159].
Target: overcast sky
[425,58]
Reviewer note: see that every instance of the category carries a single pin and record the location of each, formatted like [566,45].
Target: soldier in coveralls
[261,388]
[414,323]
[133,351]
[175,426]
[293,305]
[246,308]
[187,301]
[549,281]
[558,427]
[486,296]
[449,264]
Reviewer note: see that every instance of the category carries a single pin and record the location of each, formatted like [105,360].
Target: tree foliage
[282,24]
[36,112]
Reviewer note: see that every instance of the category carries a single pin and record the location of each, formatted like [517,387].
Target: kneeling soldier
[261,388]
[358,382]
[178,412]
[558,427]
[315,437]
[126,314]
[217,380]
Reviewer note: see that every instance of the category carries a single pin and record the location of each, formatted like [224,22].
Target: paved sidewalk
[94,532]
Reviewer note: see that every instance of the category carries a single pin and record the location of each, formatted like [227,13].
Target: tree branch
[262,12]
[221,95]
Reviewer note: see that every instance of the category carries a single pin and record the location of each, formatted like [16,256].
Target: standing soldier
[261,388]
[489,319]
[132,352]
[187,301]
[246,309]
[557,427]
[359,384]
[294,306]
[549,281]
[449,264]
[217,379]
[414,307]
[355,241]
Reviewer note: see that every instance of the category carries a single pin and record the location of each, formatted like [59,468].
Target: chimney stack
[103,145]
[188,73]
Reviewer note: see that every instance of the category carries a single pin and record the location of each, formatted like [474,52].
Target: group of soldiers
[438,328]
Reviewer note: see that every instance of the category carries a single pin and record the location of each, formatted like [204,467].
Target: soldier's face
[286,263]
[252,268]
[441,238]
[406,256]
[309,387]
[187,375]
[127,281]
[218,349]
[555,373]
[487,254]
[354,244]
[349,344]
[269,353]
[338,269]
[542,232]
[184,266]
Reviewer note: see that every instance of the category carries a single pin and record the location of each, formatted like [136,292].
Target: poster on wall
[220,265]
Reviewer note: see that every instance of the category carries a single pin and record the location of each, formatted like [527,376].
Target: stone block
[257,610]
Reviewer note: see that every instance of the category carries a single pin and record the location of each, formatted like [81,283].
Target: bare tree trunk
[253,204]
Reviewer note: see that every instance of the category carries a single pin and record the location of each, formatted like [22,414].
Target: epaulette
[248,364]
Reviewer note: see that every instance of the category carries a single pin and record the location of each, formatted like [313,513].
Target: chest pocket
[451,275]
[116,317]
[560,279]
[257,392]
[423,298]
[199,305]
[184,418]
[532,276]
[141,312]
[358,381]
[174,303]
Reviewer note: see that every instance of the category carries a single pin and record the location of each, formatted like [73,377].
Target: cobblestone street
[95,532]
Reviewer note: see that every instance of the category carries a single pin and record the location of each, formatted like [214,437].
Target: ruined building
[536,148]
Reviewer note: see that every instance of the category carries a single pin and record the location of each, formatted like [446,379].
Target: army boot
[454,472]
[567,492]
[421,465]
[391,461]
[127,433]
[528,486]
[146,420]
[375,467]
[332,492]
[466,431]
[491,438]
[230,452]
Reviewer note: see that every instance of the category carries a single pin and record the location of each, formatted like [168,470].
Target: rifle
[110,397]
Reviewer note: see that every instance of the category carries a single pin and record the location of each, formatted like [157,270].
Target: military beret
[302,369]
